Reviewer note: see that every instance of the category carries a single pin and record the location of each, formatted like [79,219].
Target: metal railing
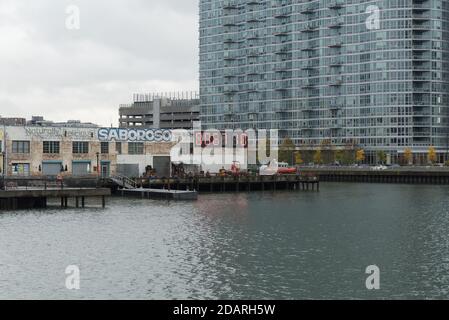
[124,182]
[13,183]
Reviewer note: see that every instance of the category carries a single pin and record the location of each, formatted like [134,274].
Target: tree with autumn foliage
[408,156]
[432,155]
[360,155]
[381,157]
[287,151]
[317,159]
[298,158]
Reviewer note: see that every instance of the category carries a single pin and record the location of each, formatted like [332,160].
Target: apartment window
[118,147]
[51,147]
[21,147]
[104,147]
[80,147]
[135,148]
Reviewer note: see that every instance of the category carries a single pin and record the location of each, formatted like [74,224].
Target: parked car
[379,167]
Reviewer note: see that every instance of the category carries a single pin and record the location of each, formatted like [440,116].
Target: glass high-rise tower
[329,70]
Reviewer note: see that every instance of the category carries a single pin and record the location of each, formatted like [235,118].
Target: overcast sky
[122,47]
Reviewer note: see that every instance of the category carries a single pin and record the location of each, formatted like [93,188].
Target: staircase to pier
[124,182]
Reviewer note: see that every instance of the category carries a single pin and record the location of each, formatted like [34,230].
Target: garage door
[80,168]
[51,168]
[128,170]
[162,166]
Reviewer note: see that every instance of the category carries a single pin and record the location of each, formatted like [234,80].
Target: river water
[263,245]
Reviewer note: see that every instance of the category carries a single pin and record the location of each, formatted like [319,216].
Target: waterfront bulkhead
[51,151]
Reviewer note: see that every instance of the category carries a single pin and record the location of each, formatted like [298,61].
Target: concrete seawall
[405,176]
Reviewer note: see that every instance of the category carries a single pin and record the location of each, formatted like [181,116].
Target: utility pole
[447,143]
[5,157]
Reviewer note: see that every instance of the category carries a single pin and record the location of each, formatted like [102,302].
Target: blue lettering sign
[134,135]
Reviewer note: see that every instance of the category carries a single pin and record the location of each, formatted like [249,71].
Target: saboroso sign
[134,135]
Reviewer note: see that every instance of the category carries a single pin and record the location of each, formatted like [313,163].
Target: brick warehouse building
[50,151]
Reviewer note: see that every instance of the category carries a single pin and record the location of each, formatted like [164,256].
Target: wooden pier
[233,183]
[37,198]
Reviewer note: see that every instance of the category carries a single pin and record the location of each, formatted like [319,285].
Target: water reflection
[285,245]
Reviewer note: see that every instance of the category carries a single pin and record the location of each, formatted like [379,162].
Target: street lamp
[4,169]
[98,164]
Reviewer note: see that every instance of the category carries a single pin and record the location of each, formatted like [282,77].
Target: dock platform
[216,184]
[29,198]
[160,194]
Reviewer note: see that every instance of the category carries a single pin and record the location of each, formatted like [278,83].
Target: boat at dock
[273,167]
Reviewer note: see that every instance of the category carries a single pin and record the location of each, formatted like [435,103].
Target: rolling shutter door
[162,166]
[51,168]
[80,168]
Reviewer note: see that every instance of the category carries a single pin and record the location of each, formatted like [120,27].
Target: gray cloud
[122,47]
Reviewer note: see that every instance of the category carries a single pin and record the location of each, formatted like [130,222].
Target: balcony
[421,133]
[335,105]
[335,44]
[421,66]
[252,17]
[252,70]
[307,127]
[252,2]
[308,84]
[420,35]
[421,122]
[336,23]
[230,89]
[252,35]
[421,46]
[307,9]
[420,55]
[227,55]
[252,87]
[309,27]
[421,25]
[421,15]
[307,65]
[252,52]
[280,108]
[422,76]
[282,12]
[421,102]
[281,31]
[281,85]
[228,110]
[229,22]
[336,81]
[335,124]
[421,113]
[421,87]
[281,67]
[229,4]
[230,39]
[336,4]
[253,109]
[308,46]
[282,49]
[229,73]
[421,7]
